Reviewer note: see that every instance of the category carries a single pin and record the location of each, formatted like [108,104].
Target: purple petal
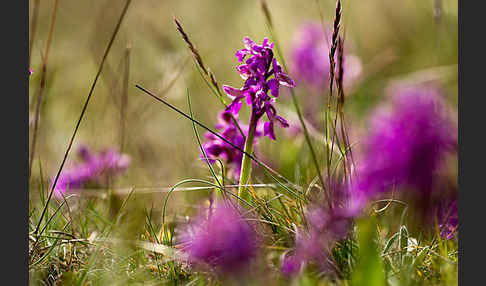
[261,95]
[241,54]
[225,117]
[123,162]
[291,265]
[282,121]
[285,80]
[213,150]
[273,86]
[85,154]
[249,99]
[248,43]
[268,130]
[231,91]
[265,42]
[276,67]
[235,106]
[210,136]
[244,71]
[270,111]
[224,240]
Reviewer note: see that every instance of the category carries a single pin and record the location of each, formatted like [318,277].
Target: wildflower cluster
[310,57]
[222,239]
[406,145]
[259,66]
[215,147]
[93,169]
[326,225]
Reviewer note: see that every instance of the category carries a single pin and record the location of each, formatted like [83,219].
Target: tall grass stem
[246,161]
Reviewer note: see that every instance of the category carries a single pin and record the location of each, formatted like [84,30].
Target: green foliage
[369,267]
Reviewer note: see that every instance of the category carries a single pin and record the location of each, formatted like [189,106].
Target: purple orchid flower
[216,148]
[260,65]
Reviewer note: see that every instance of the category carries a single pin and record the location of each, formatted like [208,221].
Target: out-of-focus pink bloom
[325,227]
[407,143]
[224,241]
[94,168]
[310,58]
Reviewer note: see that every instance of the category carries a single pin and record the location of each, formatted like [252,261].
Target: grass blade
[199,141]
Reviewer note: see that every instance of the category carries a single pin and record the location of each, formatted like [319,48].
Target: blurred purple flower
[224,240]
[291,265]
[217,148]
[405,147]
[310,57]
[260,65]
[325,227]
[94,168]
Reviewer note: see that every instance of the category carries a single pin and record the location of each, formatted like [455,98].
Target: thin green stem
[246,161]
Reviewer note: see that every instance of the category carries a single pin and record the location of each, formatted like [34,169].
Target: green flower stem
[243,191]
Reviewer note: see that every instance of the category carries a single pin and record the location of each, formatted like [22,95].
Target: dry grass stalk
[40,92]
[191,47]
[206,71]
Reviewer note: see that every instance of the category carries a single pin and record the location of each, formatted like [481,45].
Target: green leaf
[369,267]
[390,242]
[403,242]
[420,257]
